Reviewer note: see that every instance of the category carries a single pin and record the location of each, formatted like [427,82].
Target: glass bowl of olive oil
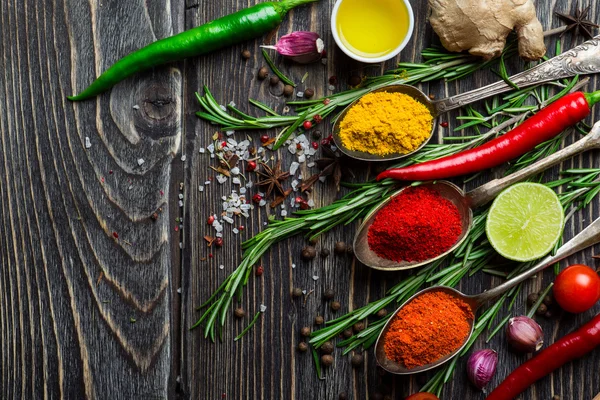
[372,31]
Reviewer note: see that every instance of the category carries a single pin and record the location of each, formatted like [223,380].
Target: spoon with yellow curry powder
[412,342]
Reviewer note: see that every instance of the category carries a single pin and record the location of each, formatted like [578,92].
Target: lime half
[525,221]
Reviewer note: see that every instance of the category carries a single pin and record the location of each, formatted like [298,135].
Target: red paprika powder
[416,225]
[428,328]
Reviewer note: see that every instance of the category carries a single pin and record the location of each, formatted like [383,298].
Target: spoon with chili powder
[370,254]
[435,324]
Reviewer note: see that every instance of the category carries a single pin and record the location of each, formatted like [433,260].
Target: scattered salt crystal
[231,103]
[236,181]
[294,184]
[136,107]
[300,177]
[283,213]
[293,168]
[180,196]
[88,143]
[322,178]
[311,203]
[221,178]
[212,155]
[300,94]
[130,187]
[262,203]
[315,277]
[235,230]
[183,157]
[201,150]
[219,234]
[292,148]
[245,207]
[223,107]
[140,161]
[263,308]
[235,171]
[229,133]
[221,266]
[333,148]
[210,148]
[324,61]
[178,290]
[331,87]
[265,223]
[304,292]
[243,190]
[249,184]
[301,158]
[310,164]
[207,182]
[201,188]
[311,152]
[180,203]
[293,265]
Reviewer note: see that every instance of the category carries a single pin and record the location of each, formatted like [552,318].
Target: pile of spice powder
[428,328]
[416,225]
[385,123]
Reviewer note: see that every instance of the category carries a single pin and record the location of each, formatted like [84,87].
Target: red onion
[481,367]
[302,47]
[524,334]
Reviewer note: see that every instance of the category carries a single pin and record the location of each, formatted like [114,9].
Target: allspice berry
[302,347]
[288,90]
[381,313]
[532,298]
[309,252]
[319,320]
[296,292]
[357,360]
[542,309]
[548,300]
[239,312]
[335,305]
[347,333]
[274,81]
[325,253]
[343,396]
[246,54]
[354,80]
[327,348]
[327,360]
[340,248]
[329,294]
[317,135]
[263,73]
[305,331]
[308,93]
[358,327]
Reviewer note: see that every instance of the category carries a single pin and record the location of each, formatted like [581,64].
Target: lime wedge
[525,221]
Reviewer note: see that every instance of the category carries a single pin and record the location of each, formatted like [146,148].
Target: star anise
[578,22]
[271,179]
[331,165]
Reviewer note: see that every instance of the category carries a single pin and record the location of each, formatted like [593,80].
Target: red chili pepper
[570,347]
[544,125]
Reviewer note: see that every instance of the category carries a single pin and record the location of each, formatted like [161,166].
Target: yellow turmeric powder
[384,123]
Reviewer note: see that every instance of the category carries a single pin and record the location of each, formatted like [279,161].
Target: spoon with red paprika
[464,202]
[586,238]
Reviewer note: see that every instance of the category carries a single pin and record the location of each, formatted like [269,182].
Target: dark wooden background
[96,297]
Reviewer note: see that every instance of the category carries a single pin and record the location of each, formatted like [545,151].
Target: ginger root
[481,26]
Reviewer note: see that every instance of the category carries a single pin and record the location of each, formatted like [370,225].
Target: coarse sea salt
[140,161]
[263,308]
[236,181]
[201,188]
[88,143]
[235,230]
[293,168]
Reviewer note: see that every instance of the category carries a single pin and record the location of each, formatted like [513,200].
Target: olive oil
[372,28]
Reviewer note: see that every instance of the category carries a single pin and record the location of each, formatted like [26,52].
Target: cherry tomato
[422,396]
[577,288]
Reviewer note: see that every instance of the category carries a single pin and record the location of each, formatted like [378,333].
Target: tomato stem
[592,98]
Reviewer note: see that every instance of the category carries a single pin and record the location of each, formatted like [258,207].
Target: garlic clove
[481,367]
[302,47]
[524,334]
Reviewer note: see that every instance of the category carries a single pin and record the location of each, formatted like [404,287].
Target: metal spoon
[583,59]
[586,238]
[465,202]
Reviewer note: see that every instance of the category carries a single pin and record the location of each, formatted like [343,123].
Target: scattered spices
[246,54]
[335,305]
[319,320]
[257,198]
[251,166]
[358,327]
[309,252]
[329,294]
[327,348]
[296,292]
[218,242]
[347,333]
[385,123]
[382,313]
[210,220]
[271,178]
[263,72]
[259,270]
[307,125]
[532,298]
[274,81]
[302,347]
[542,309]
[305,331]
[264,138]
[309,93]
[416,225]
[288,90]
[343,396]
[357,360]
[239,312]
[350,250]
[339,248]
[316,134]
[325,253]
[444,124]
[428,328]
[327,360]
[354,80]
[578,23]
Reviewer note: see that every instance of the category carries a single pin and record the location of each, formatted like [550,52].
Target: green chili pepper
[234,28]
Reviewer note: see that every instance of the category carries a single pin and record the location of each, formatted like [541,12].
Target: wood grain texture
[85,285]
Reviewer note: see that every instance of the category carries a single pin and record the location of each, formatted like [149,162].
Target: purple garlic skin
[302,47]
[524,334]
[481,367]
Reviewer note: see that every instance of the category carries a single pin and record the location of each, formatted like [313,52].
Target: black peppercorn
[329,294]
[316,135]
[288,90]
[335,305]
[381,313]
[357,360]
[246,54]
[327,360]
[532,298]
[274,81]
[263,73]
[319,320]
[542,309]
[354,80]
[309,252]
[325,253]
[548,300]
[347,333]
[358,327]
[340,248]
[308,93]
[296,292]
[305,331]
[343,396]
[327,348]
[302,347]
[239,312]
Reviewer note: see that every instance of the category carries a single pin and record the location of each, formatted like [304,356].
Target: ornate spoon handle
[580,60]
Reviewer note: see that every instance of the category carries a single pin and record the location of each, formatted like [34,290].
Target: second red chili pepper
[544,125]
[570,347]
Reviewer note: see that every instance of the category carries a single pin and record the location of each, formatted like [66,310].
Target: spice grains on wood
[428,328]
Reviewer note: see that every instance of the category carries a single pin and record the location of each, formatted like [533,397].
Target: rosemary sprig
[276,70]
